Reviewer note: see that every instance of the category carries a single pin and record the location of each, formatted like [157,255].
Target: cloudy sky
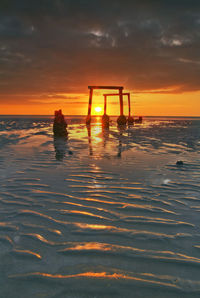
[51,50]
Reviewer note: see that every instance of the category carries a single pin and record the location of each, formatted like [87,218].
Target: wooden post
[121,102]
[59,125]
[121,119]
[105,104]
[105,118]
[130,119]
[129,105]
[90,102]
[88,119]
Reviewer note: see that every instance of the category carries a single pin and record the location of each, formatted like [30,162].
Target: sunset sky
[51,50]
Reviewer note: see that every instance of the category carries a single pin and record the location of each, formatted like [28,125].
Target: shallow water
[106,213]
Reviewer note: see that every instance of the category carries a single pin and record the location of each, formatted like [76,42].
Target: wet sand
[104,213]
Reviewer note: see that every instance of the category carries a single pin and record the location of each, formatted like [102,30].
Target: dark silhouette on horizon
[60,136]
[121,120]
[59,125]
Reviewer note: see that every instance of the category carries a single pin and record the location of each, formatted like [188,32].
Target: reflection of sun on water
[96,132]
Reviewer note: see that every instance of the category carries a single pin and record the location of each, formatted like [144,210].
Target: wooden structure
[130,119]
[121,119]
[59,125]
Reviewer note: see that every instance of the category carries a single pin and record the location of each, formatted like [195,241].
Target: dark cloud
[62,46]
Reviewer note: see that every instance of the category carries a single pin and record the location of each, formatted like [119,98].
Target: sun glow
[98,109]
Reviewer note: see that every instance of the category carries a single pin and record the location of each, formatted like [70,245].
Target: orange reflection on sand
[39,237]
[99,201]
[103,275]
[74,204]
[85,213]
[56,231]
[90,246]
[94,227]
[28,252]
[84,274]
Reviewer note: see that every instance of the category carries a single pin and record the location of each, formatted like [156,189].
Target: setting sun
[98,109]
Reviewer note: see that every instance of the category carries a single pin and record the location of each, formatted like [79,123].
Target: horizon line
[197,116]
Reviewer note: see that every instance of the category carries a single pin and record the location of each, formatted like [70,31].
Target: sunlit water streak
[106,213]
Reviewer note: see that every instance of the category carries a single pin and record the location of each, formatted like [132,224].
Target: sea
[102,213]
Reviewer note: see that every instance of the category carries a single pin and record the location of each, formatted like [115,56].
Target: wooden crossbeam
[106,87]
[115,94]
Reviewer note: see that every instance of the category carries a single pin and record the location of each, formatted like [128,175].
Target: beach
[102,213]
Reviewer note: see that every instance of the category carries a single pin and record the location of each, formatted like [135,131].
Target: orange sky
[50,51]
[149,104]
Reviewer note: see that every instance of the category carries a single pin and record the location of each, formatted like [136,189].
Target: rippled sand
[106,213]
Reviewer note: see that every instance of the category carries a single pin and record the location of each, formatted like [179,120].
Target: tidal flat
[103,213]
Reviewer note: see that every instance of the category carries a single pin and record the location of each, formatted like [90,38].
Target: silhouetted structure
[121,119]
[139,120]
[59,125]
[130,119]
[105,118]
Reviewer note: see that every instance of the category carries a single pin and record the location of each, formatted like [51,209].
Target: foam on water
[107,213]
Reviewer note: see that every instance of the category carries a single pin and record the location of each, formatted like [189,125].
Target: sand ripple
[104,214]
